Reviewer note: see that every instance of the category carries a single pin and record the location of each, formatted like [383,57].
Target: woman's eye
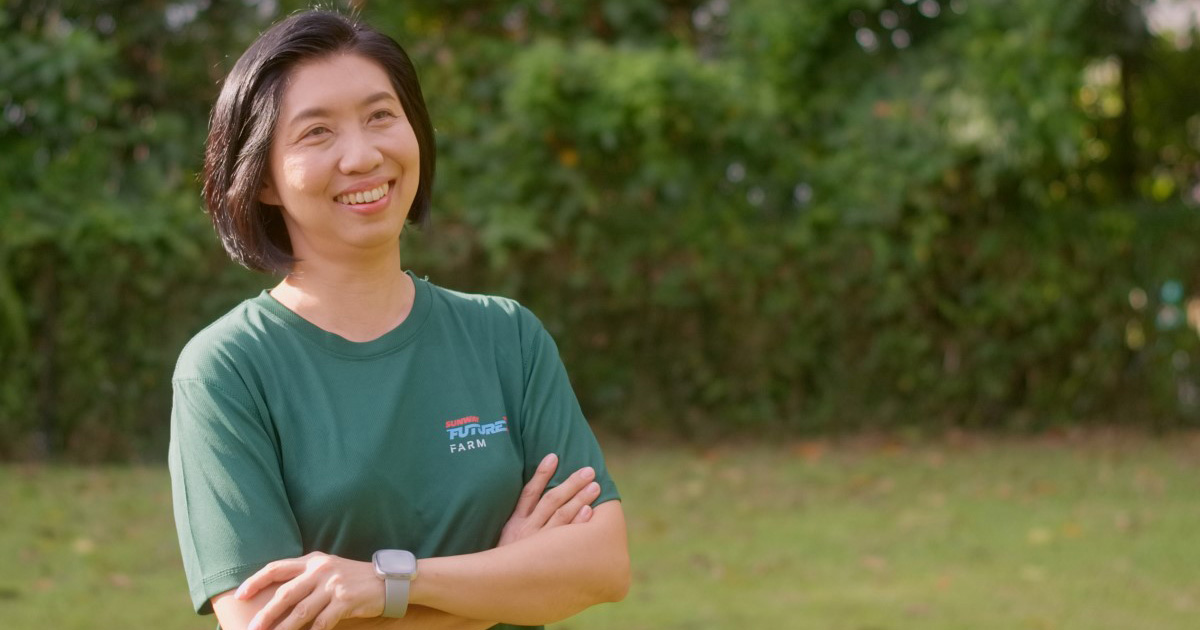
[315,132]
[382,114]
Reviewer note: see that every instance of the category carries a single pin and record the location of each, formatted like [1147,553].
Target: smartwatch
[397,568]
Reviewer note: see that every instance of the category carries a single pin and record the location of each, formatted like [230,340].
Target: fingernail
[593,488]
[241,592]
[547,461]
[587,472]
[586,511]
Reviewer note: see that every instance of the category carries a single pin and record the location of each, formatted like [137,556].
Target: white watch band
[395,599]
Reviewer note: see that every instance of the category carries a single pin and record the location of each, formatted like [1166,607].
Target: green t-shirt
[287,439]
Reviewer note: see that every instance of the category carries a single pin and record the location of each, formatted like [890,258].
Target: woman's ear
[268,195]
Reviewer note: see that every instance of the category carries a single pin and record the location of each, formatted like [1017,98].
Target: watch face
[395,562]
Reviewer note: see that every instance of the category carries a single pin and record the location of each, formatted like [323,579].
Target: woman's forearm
[538,580]
[417,618]
[235,614]
[545,577]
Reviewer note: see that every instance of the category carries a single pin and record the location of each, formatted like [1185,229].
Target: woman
[357,446]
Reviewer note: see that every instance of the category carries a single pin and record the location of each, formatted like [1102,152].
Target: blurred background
[737,217]
[886,311]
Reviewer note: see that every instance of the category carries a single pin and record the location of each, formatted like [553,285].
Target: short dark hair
[242,128]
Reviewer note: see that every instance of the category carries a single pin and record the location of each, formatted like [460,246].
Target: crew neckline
[392,340]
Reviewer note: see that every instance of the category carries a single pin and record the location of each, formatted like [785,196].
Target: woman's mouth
[366,196]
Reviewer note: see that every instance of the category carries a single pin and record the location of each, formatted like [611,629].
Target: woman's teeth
[364,197]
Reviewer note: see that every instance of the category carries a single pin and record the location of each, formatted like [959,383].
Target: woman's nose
[359,153]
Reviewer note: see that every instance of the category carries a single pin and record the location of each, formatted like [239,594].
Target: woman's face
[344,163]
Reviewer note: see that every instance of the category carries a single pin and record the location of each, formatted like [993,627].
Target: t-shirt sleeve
[231,508]
[551,419]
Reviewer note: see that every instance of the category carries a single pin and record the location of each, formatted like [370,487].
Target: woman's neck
[357,302]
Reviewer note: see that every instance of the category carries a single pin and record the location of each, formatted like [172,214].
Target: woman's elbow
[620,588]
[617,579]
[608,583]
[616,576]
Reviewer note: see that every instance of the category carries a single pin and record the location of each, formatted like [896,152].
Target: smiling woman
[358,446]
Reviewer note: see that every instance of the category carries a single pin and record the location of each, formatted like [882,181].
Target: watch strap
[395,598]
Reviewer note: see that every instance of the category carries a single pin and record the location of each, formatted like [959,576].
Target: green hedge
[734,217]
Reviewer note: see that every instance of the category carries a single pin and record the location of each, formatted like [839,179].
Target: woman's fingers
[287,597]
[584,515]
[306,610]
[518,525]
[574,507]
[327,619]
[533,490]
[278,571]
[537,508]
[555,502]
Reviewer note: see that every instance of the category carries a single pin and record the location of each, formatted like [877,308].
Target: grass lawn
[1089,532]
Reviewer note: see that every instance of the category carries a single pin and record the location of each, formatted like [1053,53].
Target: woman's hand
[570,502]
[318,589]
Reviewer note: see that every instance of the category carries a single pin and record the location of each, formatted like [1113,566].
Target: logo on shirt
[466,434]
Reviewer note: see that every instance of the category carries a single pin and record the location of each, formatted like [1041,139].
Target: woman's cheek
[299,173]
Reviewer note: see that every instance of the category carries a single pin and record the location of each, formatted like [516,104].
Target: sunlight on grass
[1090,533]
[90,548]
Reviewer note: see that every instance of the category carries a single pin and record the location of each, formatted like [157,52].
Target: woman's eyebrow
[379,96]
[319,112]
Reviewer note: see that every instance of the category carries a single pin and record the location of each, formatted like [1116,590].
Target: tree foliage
[739,216]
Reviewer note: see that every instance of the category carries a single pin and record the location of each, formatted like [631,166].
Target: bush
[734,217]
[106,265]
